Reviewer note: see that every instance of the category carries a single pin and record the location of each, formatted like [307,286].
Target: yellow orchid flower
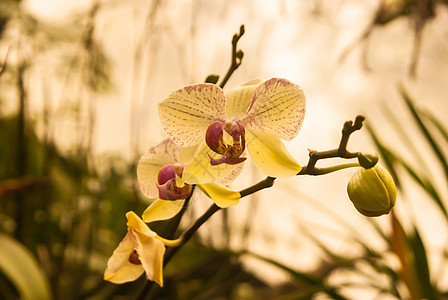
[141,250]
[372,191]
[159,174]
[256,115]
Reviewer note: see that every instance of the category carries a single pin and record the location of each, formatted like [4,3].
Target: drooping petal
[139,251]
[119,269]
[199,170]
[135,224]
[127,272]
[278,107]
[270,155]
[162,210]
[239,99]
[186,113]
[222,196]
[150,252]
[121,254]
[152,161]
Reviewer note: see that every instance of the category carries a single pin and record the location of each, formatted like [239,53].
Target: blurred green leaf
[424,130]
[20,267]
[413,259]
[421,265]
[400,246]
[436,122]
[317,283]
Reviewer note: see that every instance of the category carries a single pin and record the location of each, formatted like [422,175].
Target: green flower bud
[372,191]
[367,159]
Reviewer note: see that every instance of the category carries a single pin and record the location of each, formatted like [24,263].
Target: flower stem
[309,169]
[237,56]
[327,170]
[341,151]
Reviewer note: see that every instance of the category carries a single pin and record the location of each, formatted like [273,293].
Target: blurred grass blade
[436,122]
[424,130]
[20,267]
[404,135]
[387,155]
[414,261]
[316,282]
[426,185]
[421,266]
[400,246]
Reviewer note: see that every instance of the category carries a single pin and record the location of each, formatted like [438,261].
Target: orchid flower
[159,174]
[256,115]
[141,250]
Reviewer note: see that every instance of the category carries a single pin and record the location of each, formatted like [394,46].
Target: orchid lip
[133,258]
[226,160]
[215,141]
[214,137]
[166,173]
[169,190]
[166,183]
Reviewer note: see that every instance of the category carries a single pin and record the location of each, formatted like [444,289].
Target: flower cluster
[211,134]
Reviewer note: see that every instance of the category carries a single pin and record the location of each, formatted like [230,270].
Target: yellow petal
[149,249]
[121,254]
[278,107]
[187,153]
[128,272]
[162,210]
[222,196]
[150,252]
[152,161]
[238,99]
[199,170]
[119,269]
[186,113]
[136,224]
[270,155]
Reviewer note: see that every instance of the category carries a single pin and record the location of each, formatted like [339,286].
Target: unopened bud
[367,159]
[372,191]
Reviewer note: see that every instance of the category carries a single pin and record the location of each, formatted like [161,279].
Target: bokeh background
[79,88]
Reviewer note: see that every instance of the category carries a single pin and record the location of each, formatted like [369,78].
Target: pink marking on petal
[186,113]
[278,106]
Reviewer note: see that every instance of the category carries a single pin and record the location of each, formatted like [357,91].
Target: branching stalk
[309,169]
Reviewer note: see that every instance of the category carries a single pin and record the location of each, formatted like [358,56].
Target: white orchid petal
[239,99]
[278,107]
[152,161]
[186,113]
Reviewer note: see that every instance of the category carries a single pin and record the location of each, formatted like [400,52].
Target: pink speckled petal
[152,161]
[239,99]
[278,107]
[186,113]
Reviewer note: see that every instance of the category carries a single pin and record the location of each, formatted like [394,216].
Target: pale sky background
[297,40]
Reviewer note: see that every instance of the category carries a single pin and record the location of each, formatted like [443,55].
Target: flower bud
[372,191]
[367,159]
